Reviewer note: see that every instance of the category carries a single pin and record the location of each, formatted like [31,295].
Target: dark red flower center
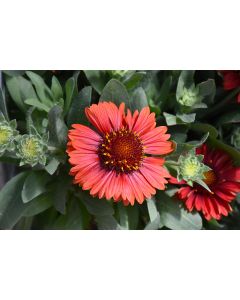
[210,177]
[121,150]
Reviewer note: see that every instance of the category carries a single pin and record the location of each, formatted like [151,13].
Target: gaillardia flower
[223,181]
[231,80]
[115,160]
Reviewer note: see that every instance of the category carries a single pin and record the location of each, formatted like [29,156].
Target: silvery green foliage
[32,148]
[8,133]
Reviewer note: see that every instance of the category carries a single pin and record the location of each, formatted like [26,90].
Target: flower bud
[189,97]
[8,133]
[191,167]
[31,149]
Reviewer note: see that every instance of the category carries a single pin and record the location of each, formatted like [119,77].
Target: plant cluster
[120,149]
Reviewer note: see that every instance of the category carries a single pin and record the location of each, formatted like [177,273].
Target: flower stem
[222,104]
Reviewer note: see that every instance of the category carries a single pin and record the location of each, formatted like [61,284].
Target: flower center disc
[121,150]
[210,177]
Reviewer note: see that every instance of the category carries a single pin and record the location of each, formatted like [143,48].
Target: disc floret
[121,151]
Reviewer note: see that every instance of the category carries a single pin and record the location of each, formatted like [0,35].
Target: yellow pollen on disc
[210,177]
[125,149]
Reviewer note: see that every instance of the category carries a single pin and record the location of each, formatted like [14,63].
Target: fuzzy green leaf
[20,89]
[77,110]
[57,128]
[11,205]
[116,92]
[34,185]
[174,216]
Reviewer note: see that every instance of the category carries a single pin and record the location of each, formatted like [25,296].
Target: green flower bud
[31,149]
[191,168]
[8,133]
[190,96]
[235,139]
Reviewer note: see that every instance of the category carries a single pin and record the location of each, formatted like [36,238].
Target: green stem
[222,104]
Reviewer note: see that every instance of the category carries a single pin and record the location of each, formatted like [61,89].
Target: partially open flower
[31,149]
[120,159]
[223,181]
[8,133]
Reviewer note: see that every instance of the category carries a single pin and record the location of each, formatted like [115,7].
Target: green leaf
[101,209]
[164,92]
[207,89]
[36,103]
[170,119]
[3,106]
[107,223]
[186,118]
[154,216]
[56,88]
[230,117]
[57,128]
[123,214]
[43,91]
[11,205]
[139,99]
[60,189]
[154,224]
[20,89]
[52,166]
[174,216]
[98,79]
[179,118]
[152,209]
[13,73]
[38,205]
[77,110]
[133,216]
[72,220]
[34,185]
[116,92]
[69,87]
[96,207]
[133,80]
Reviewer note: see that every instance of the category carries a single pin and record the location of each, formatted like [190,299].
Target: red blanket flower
[231,80]
[223,181]
[115,160]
